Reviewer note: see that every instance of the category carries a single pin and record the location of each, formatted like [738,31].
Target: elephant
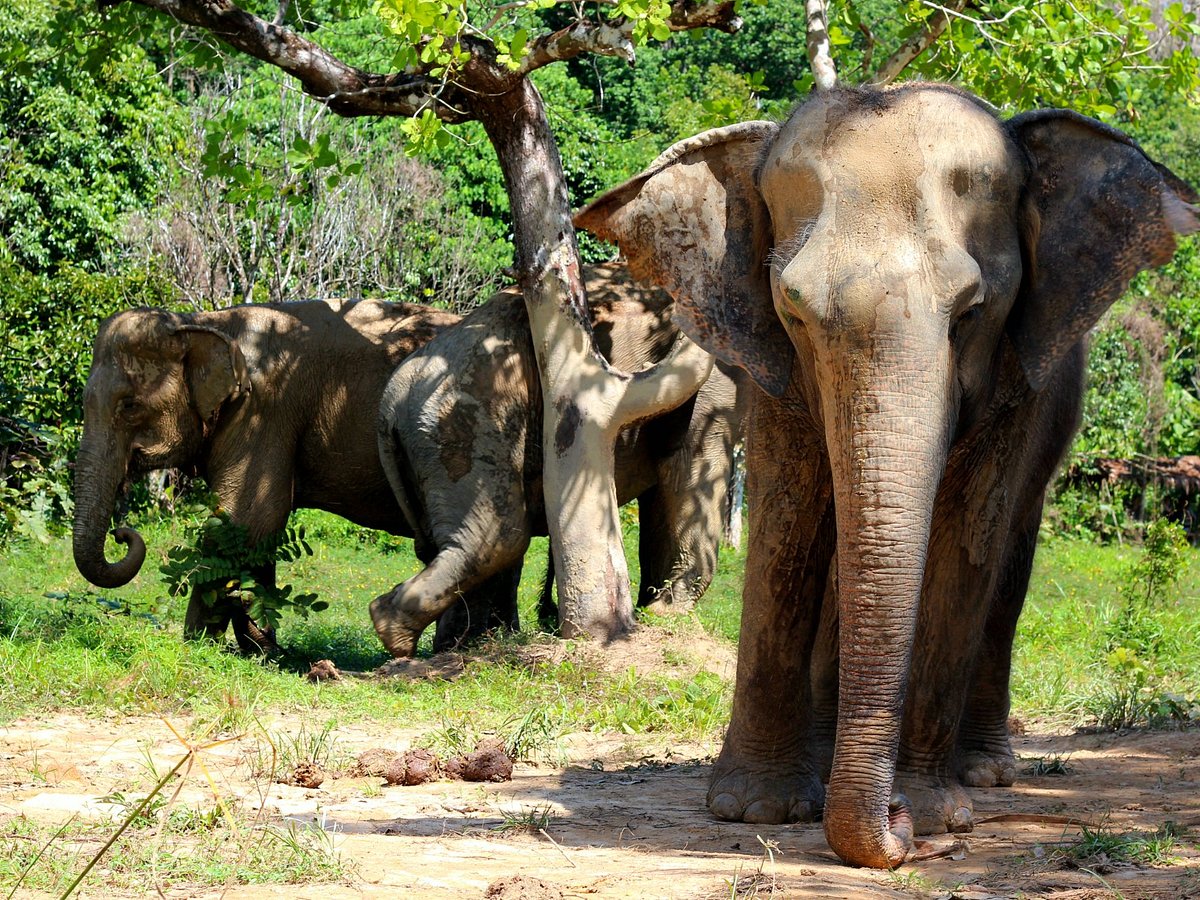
[460,437]
[274,404]
[910,280]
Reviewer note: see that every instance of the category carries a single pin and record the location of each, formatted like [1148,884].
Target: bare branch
[869,42]
[602,39]
[917,44]
[819,56]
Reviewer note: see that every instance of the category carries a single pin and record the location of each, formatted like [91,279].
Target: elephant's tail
[393,456]
[547,607]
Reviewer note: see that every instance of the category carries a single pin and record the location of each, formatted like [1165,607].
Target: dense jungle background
[143,164]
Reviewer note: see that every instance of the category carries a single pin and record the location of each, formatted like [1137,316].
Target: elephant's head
[156,385]
[903,249]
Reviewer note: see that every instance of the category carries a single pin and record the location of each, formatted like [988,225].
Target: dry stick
[543,833]
[1034,818]
[1038,818]
[128,821]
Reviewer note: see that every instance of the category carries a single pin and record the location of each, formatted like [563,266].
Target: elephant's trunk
[887,427]
[99,470]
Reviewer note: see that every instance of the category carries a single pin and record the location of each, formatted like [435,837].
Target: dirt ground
[624,818]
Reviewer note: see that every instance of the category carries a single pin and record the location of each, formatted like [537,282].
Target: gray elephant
[460,439]
[911,281]
[275,405]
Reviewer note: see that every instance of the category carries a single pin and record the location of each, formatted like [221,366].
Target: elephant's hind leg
[766,772]
[491,605]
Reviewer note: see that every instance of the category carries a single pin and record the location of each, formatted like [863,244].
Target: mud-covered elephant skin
[461,438]
[911,281]
[274,405]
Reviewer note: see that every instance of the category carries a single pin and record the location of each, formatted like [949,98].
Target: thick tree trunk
[585,400]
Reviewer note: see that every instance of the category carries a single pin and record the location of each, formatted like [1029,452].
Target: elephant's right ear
[695,224]
[215,367]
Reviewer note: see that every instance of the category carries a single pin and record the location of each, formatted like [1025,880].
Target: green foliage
[1061,659]
[1137,637]
[221,563]
[80,146]
[1099,58]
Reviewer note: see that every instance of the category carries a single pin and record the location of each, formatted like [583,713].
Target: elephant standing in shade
[911,281]
[274,405]
[461,436]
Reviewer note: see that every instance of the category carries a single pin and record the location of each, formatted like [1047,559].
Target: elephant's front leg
[205,619]
[254,638]
[766,771]
[970,527]
[985,755]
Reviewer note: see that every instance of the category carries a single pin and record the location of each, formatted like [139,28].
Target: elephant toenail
[727,807]
[765,812]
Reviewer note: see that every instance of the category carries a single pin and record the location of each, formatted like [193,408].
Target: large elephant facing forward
[460,438]
[911,280]
[275,405]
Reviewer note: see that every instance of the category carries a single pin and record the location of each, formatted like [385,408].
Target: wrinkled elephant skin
[274,405]
[460,436]
[911,281]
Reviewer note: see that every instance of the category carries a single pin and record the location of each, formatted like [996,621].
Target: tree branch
[819,56]
[614,37]
[917,44]
[347,90]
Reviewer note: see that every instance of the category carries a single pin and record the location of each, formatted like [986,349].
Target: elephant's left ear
[1106,211]
[694,224]
[216,369]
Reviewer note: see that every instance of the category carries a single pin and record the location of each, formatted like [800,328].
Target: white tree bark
[819,56]
[586,401]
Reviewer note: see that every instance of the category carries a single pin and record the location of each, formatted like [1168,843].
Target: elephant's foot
[989,766]
[939,805]
[743,790]
[397,630]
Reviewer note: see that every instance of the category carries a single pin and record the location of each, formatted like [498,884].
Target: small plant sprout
[1054,764]
[531,819]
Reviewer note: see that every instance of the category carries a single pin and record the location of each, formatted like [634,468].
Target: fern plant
[220,562]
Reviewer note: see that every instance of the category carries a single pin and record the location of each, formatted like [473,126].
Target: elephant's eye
[965,320]
[127,406]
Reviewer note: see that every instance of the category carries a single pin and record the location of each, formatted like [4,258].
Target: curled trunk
[99,471]
[888,431]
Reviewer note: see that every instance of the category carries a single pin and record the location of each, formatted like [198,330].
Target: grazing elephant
[911,281]
[461,435]
[275,405]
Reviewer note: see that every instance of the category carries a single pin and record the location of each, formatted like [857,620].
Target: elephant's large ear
[1103,211]
[216,369]
[694,224]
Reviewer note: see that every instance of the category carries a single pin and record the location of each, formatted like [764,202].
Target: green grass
[1061,666]
[123,650]
[1141,848]
[176,846]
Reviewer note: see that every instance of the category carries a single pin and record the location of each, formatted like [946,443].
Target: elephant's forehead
[891,141]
